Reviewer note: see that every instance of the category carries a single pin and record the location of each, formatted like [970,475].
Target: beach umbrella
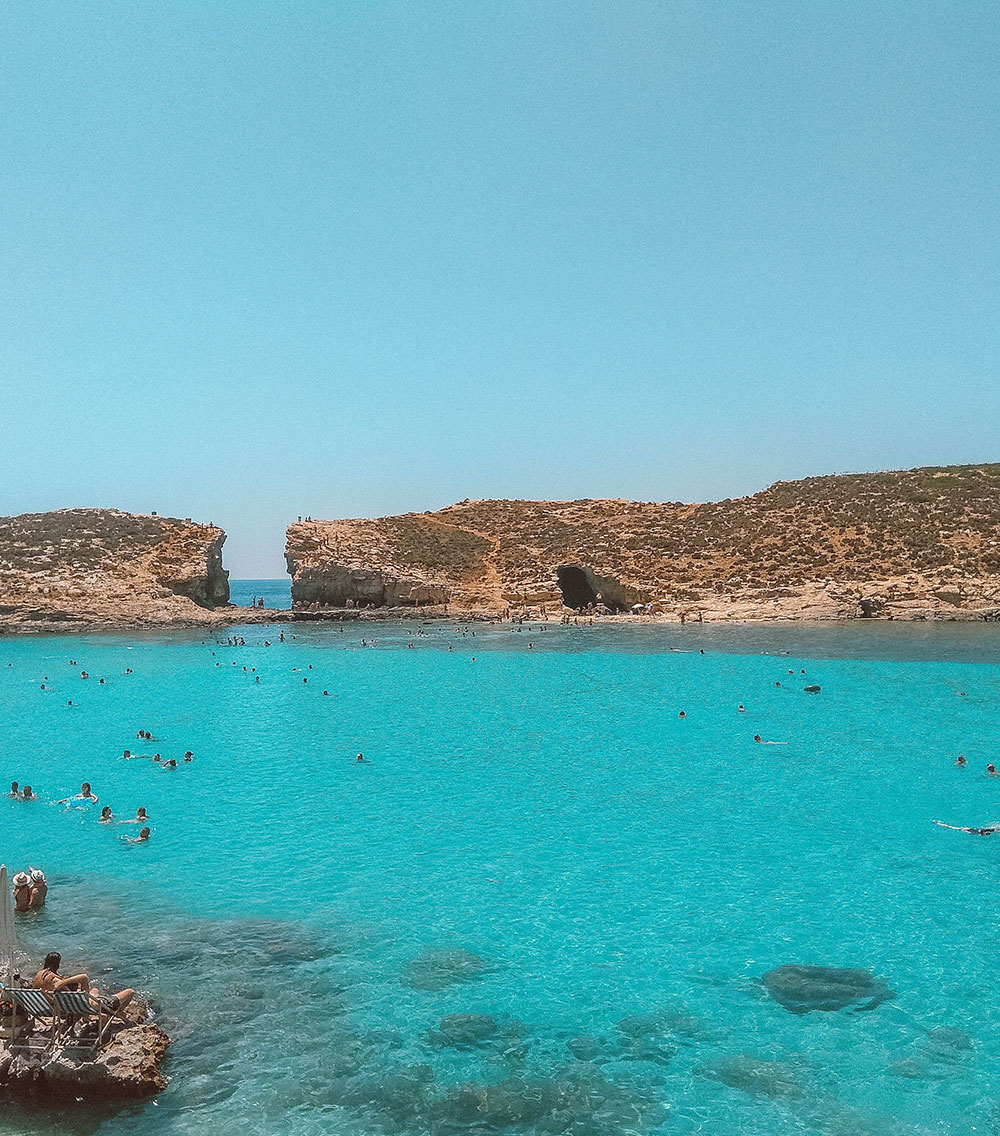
[8,940]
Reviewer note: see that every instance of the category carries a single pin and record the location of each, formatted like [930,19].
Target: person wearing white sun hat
[22,891]
[39,888]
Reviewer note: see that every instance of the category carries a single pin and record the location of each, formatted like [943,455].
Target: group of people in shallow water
[84,799]
[30,889]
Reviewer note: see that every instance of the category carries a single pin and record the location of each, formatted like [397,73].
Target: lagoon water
[536,837]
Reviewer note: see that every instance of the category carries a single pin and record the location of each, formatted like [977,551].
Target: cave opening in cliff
[576,590]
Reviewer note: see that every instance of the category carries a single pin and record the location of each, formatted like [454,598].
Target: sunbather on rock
[51,981]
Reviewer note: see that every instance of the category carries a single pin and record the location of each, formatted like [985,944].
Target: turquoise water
[538,837]
[277,594]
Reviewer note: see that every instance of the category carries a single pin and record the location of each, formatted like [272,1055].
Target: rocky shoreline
[921,544]
[128,1066]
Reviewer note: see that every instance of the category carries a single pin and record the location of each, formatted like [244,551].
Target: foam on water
[539,844]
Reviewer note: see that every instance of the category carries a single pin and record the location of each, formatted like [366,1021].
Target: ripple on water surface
[545,902]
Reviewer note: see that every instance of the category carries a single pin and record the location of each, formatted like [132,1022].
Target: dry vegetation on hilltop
[926,539]
[102,565]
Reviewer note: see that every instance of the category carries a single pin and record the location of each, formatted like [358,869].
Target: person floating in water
[961,760]
[106,816]
[51,981]
[27,794]
[140,839]
[86,796]
[987,830]
[15,790]
[360,757]
[992,771]
[139,818]
[760,741]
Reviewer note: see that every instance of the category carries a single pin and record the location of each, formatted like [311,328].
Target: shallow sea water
[535,836]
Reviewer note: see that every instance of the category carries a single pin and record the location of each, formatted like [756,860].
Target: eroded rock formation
[127,1066]
[95,566]
[912,544]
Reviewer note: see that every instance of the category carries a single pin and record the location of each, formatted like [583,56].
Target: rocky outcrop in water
[921,543]
[101,566]
[127,1066]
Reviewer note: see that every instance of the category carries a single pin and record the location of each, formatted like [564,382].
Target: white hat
[37,875]
[21,880]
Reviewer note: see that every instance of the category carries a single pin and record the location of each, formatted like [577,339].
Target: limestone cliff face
[105,566]
[916,543]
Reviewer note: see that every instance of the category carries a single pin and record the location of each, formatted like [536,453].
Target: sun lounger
[36,1005]
[73,1006]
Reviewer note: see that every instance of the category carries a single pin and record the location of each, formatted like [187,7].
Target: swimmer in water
[991,770]
[682,714]
[741,709]
[171,764]
[106,817]
[139,818]
[360,757]
[27,794]
[86,796]
[140,839]
[760,741]
[188,755]
[14,789]
[960,760]
[988,830]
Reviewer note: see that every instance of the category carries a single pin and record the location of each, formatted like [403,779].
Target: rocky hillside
[100,566]
[916,543]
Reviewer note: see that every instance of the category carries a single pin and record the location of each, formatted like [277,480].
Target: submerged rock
[464,1031]
[804,988]
[752,1075]
[578,1101]
[436,969]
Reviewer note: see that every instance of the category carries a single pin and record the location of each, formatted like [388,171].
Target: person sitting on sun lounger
[51,981]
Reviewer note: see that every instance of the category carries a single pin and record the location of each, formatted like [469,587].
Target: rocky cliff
[100,566]
[910,544]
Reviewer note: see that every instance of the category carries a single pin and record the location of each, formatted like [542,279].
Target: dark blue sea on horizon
[277,594]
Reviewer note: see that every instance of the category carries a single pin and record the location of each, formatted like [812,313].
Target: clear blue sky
[347,259]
